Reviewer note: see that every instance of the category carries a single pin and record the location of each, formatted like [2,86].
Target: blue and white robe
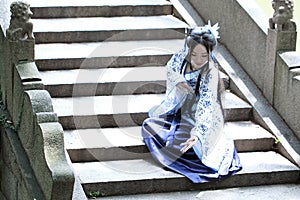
[182,115]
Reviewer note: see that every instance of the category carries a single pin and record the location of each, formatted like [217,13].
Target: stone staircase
[103,63]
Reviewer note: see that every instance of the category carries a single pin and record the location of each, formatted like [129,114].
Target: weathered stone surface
[8,79]
[125,110]
[144,176]
[43,117]
[26,77]
[22,50]
[2,196]
[11,183]
[31,104]
[296,114]
[243,31]
[85,145]
[17,162]
[286,89]
[103,8]
[24,192]
[276,41]
[40,101]
[9,159]
[95,29]
[101,55]
[17,169]
[57,168]
[2,62]
[273,192]
[28,72]
[42,138]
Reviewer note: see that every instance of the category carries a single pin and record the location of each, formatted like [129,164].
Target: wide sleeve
[208,112]
[173,68]
[174,96]
[212,144]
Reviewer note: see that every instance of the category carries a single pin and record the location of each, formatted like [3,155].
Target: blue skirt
[163,137]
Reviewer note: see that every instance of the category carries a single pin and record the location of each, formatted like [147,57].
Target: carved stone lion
[20,27]
[282,16]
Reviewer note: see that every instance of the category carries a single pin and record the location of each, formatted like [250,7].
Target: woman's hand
[184,87]
[188,144]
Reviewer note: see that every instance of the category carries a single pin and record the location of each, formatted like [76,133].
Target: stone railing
[287,88]
[38,134]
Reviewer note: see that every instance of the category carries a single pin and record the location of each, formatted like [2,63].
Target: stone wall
[244,31]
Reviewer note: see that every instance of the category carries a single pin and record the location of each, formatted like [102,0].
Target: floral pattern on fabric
[213,147]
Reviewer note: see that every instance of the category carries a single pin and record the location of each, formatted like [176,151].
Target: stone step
[126,110]
[109,81]
[96,29]
[138,176]
[99,8]
[86,145]
[59,56]
[290,191]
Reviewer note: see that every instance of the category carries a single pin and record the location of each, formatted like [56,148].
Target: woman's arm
[173,68]
[206,107]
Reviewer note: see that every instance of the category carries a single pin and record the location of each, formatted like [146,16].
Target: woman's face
[199,56]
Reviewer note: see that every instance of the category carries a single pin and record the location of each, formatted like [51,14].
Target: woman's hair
[204,36]
[201,35]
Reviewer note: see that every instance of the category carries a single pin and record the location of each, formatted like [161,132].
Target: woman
[185,132]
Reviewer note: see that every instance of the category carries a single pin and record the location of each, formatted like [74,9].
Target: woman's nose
[199,60]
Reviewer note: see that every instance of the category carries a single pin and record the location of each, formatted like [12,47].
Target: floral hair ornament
[213,30]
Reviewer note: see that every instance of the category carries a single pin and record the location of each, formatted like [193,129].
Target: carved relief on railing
[283,13]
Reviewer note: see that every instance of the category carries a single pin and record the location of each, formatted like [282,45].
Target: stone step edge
[126,110]
[78,3]
[126,143]
[131,136]
[62,25]
[123,104]
[105,54]
[110,81]
[258,168]
[99,76]
[103,10]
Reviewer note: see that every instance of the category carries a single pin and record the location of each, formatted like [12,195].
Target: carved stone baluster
[283,13]
[19,34]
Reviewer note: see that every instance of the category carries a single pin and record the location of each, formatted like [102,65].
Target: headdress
[207,32]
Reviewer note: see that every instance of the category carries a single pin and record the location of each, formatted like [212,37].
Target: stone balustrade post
[282,36]
[18,46]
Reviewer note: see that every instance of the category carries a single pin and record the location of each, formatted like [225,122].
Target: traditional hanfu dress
[183,114]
